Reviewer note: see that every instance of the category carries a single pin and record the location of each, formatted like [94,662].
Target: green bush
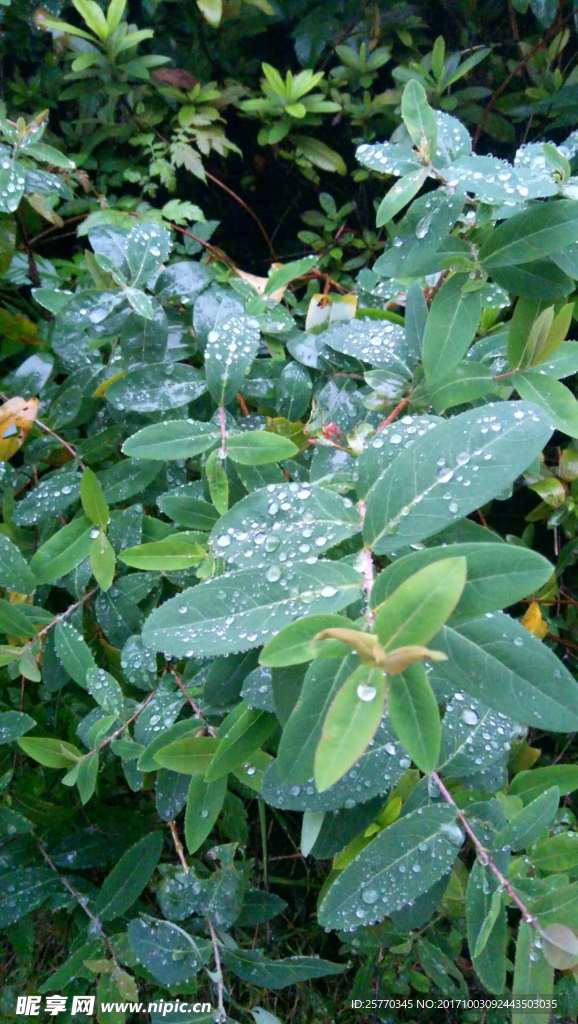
[288,545]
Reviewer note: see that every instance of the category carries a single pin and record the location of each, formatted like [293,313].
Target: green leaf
[487,929]
[319,153]
[559,906]
[531,822]
[102,561]
[400,195]
[498,575]
[295,644]
[243,731]
[450,328]
[14,724]
[242,609]
[23,890]
[534,234]
[217,481]
[349,726]
[556,853]
[12,186]
[414,716]
[190,755]
[422,491]
[554,397]
[204,804]
[87,776]
[259,447]
[122,887]
[93,499]
[232,345]
[531,784]
[419,118]
[168,952]
[14,571]
[49,752]
[286,521]
[532,975]
[105,690]
[147,247]
[173,439]
[281,276]
[501,664]
[73,652]
[256,969]
[469,381]
[156,387]
[372,886]
[177,551]
[62,552]
[417,609]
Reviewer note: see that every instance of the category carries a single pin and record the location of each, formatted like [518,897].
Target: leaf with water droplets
[460,465]
[259,448]
[380,343]
[156,387]
[177,551]
[148,246]
[531,822]
[167,951]
[53,495]
[243,609]
[536,233]
[403,862]
[414,716]
[73,652]
[14,724]
[499,662]
[243,731]
[232,345]
[253,967]
[24,889]
[350,724]
[14,571]
[281,523]
[172,439]
[450,328]
[487,927]
[204,804]
[533,975]
[12,185]
[474,737]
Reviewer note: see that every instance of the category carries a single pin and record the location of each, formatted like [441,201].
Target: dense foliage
[289,508]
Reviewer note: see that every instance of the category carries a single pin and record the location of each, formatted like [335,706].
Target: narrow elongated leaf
[122,887]
[498,575]
[73,652]
[244,730]
[349,725]
[554,397]
[418,607]
[531,822]
[450,328]
[62,552]
[52,753]
[93,500]
[533,976]
[177,551]
[254,968]
[242,609]
[204,804]
[419,118]
[404,861]
[259,448]
[421,492]
[414,716]
[501,664]
[487,928]
[190,755]
[400,195]
[529,785]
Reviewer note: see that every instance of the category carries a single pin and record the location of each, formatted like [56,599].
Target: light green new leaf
[177,551]
[49,752]
[554,397]
[204,804]
[419,118]
[93,500]
[452,470]
[402,862]
[531,784]
[531,822]
[400,195]
[415,612]
[450,328]
[533,976]
[414,716]
[349,726]
[259,447]
[122,887]
[295,644]
[102,561]
[190,755]
[243,731]
[243,609]
[281,276]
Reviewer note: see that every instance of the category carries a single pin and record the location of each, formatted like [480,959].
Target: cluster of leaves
[287,566]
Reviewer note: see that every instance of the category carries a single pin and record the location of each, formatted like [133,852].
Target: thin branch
[403,404]
[64,615]
[218,973]
[178,846]
[245,206]
[122,728]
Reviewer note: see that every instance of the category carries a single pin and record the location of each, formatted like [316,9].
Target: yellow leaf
[16,418]
[532,620]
